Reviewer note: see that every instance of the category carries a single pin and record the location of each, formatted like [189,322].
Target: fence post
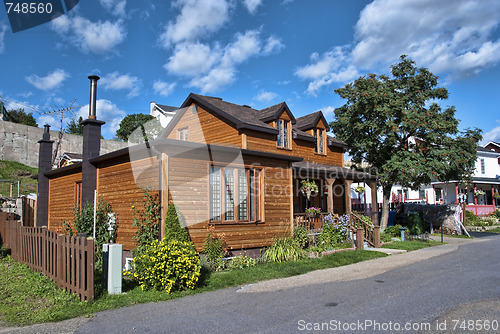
[376,236]
[360,239]
[60,260]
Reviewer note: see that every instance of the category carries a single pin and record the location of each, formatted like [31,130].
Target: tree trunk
[386,190]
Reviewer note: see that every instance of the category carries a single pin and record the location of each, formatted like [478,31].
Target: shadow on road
[483,234]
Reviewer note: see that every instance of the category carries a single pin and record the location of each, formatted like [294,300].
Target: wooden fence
[66,260]
[29,211]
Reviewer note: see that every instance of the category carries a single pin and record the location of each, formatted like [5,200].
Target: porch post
[329,198]
[347,196]
[456,192]
[492,193]
[475,197]
[373,188]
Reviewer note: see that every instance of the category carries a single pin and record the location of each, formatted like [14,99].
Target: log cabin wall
[62,199]
[117,185]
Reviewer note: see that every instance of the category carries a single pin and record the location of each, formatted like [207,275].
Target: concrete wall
[20,143]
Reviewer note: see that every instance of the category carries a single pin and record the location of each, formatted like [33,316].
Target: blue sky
[254,52]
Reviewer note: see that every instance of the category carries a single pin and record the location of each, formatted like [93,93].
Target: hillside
[11,170]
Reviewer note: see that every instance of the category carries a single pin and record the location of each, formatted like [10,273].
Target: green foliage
[21,117]
[214,249]
[384,114]
[241,262]
[167,265]
[300,236]
[415,224]
[496,214]
[392,231]
[284,249]
[13,170]
[75,126]
[146,125]
[471,218]
[335,231]
[146,219]
[173,229]
[83,222]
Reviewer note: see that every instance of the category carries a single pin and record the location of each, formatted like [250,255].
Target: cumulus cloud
[492,135]
[50,81]
[264,96]
[106,111]
[454,39]
[328,110]
[115,7]
[196,18]
[90,37]
[163,88]
[252,5]
[117,81]
[54,123]
[3,30]
[211,68]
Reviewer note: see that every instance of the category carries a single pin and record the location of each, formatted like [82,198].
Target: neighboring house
[162,112]
[224,165]
[69,158]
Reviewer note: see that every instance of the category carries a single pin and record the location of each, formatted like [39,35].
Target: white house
[162,112]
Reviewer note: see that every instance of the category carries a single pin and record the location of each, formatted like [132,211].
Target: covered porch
[334,191]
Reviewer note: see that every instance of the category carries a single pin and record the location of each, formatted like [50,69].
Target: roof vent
[246,106]
[217,98]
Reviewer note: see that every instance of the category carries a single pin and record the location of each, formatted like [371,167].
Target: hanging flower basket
[478,193]
[308,187]
[359,189]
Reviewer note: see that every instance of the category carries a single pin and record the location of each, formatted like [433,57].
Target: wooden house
[224,165]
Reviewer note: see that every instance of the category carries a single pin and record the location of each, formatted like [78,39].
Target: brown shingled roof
[309,121]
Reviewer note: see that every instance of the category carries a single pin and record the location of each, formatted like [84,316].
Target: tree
[75,126]
[21,117]
[395,125]
[131,123]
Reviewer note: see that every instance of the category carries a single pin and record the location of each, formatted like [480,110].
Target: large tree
[21,117]
[394,124]
[131,123]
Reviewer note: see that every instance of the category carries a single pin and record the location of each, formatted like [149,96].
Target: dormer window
[183,134]
[320,136]
[284,128]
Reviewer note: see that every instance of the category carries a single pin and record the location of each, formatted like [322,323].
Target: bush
[335,231]
[241,262]
[215,248]
[415,224]
[168,265]
[173,229]
[495,214]
[146,219]
[471,218]
[284,249]
[300,236]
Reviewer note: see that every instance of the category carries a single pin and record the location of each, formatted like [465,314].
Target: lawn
[26,297]
[412,245]
[15,171]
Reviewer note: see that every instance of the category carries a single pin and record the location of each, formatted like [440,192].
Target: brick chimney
[91,145]
[44,165]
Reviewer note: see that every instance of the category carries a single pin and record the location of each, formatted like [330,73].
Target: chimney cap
[94,77]
[46,128]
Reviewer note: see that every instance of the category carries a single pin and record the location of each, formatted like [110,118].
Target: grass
[463,236]
[12,170]
[27,297]
[412,245]
[495,230]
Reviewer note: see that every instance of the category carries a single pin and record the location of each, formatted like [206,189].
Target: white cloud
[492,135]
[117,81]
[115,7]
[211,68]
[252,5]
[3,30]
[163,88]
[95,37]
[197,18]
[108,112]
[451,38]
[327,111]
[54,123]
[50,81]
[264,96]
[273,45]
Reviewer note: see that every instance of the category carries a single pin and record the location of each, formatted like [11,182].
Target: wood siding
[62,200]
[117,185]
[205,127]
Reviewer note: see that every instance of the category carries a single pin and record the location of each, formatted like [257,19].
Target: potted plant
[359,189]
[308,187]
[312,211]
[479,192]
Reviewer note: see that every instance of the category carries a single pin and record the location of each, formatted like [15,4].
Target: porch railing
[480,210]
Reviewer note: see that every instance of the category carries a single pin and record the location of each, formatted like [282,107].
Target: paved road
[443,286]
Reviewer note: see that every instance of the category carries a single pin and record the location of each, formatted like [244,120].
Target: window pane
[215,193]
[280,132]
[321,148]
[186,135]
[243,195]
[316,148]
[285,134]
[229,194]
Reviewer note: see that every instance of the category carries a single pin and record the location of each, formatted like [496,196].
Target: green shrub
[300,236]
[335,231]
[392,231]
[284,249]
[214,249]
[241,262]
[173,229]
[83,222]
[496,214]
[146,219]
[415,224]
[471,218]
[168,265]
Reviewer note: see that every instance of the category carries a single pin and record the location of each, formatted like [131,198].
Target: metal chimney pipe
[93,96]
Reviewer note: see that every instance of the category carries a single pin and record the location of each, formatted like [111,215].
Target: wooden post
[376,236]
[347,196]
[373,188]
[360,239]
[456,192]
[329,198]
